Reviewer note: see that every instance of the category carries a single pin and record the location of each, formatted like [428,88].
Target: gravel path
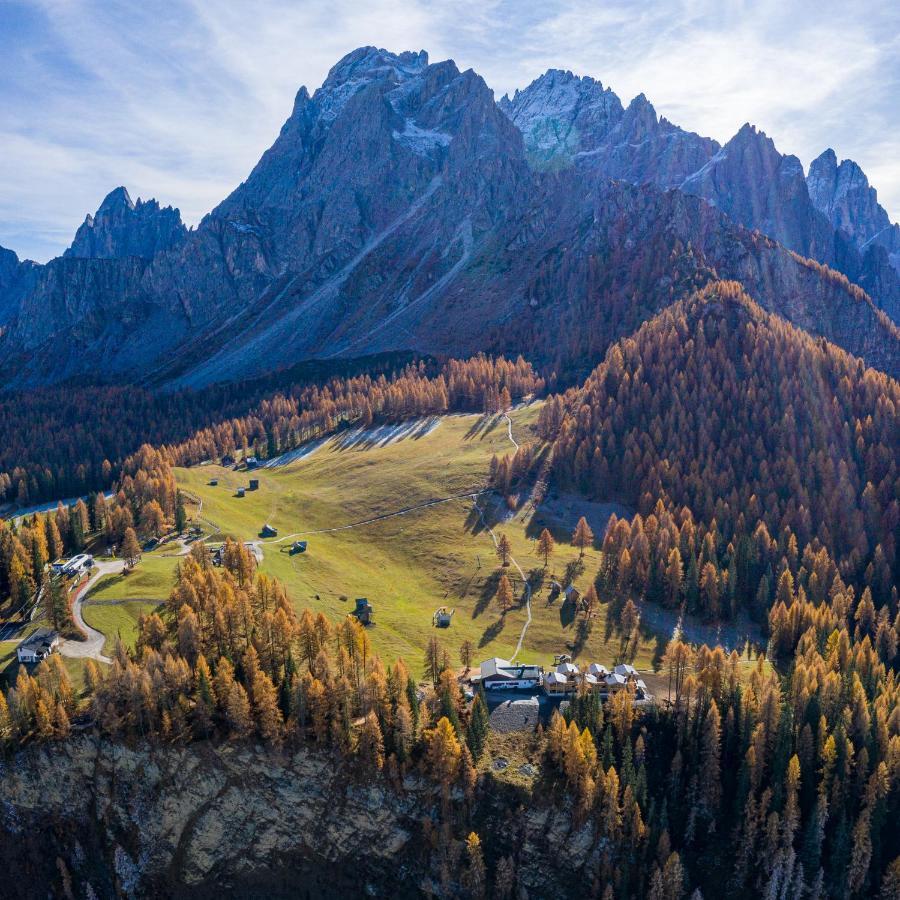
[490,531]
[509,430]
[92,648]
[511,558]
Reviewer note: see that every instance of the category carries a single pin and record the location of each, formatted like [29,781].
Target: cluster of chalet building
[564,678]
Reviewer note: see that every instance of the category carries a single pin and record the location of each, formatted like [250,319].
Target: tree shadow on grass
[492,632]
[659,651]
[582,633]
[574,568]
[474,524]
[488,592]
[536,578]
[482,426]
[567,613]
[474,428]
[485,513]
[613,611]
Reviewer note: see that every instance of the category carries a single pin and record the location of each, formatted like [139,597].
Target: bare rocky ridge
[242,821]
[566,120]
[831,216]
[400,207]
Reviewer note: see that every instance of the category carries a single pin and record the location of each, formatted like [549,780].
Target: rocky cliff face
[120,228]
[842,193]
[16,281]
[759,188]
[103,820]
[832,216]
[400,207]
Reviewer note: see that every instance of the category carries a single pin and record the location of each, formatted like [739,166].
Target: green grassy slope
[410,564]
[151,579]
[117,619]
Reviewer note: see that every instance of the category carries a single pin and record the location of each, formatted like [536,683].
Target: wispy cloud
[178,100]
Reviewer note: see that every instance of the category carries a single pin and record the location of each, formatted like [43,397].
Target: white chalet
[501,674]
[38,646]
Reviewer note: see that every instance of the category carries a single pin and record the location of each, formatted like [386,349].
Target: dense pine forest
[742,442]
[785,785]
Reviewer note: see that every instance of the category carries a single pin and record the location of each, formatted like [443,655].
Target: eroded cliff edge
[92,818]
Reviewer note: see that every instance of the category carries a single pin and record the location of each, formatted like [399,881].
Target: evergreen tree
[58,606]
[130,550]
[504,594]
[465,653]
[180,514]
[477,732]
[504,550]
[475,877]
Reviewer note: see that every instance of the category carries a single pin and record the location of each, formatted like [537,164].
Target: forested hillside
[64,442]
[770,787]
[779,445]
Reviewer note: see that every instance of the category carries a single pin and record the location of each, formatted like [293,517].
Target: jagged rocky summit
[401,207]
[121,228]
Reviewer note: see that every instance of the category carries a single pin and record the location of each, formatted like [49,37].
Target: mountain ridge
[401,207]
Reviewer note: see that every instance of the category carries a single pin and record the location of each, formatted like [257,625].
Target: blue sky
[178,100]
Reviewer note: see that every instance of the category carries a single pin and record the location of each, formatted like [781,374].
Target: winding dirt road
[92,648]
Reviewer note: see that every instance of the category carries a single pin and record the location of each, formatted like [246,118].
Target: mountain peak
[557,90]
[122,228]
[370,63]
[843,193]
[561,114]
[363,67]
[116,199]
[826,159]
[641,114]
[749,135]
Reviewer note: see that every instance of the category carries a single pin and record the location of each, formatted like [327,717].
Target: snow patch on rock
[421,140]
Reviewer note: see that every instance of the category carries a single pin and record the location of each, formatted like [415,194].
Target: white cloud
[178,101]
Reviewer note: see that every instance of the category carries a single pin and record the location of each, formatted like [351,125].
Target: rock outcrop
[759,188]
[843,193]
[16,280]
[199,821]
[831,216]
[567,120]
